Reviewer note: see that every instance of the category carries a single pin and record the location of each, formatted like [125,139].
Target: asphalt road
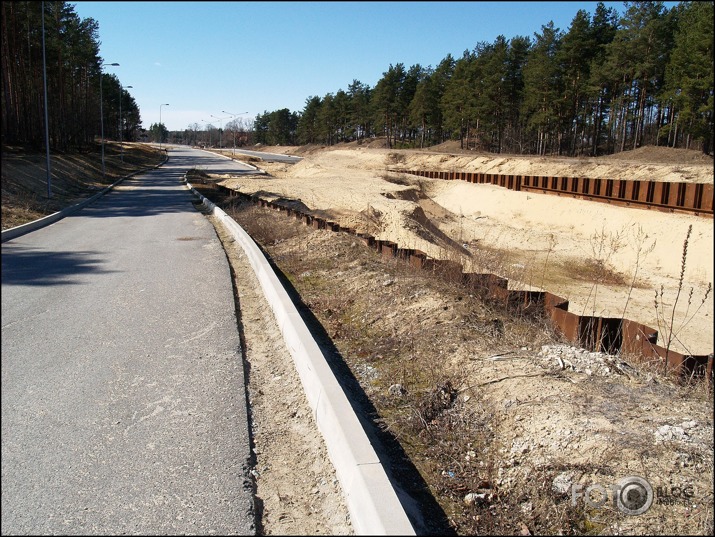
[267,157]
[123,394]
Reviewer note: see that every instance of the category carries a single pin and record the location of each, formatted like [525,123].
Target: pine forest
[609,83]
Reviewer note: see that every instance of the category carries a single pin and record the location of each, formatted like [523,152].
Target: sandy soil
[527,417]
[555,415]
[297,491]
[606,260]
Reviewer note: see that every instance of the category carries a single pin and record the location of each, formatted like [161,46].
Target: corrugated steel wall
[694,198]
[604,334]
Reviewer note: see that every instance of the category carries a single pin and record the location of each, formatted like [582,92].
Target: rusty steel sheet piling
[691,198]
[603,334]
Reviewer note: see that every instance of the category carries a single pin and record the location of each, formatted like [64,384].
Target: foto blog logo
[632,495]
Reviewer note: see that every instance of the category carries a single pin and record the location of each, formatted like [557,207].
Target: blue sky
[206,57]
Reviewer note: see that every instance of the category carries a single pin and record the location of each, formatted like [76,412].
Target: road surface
[267,157]
[123,394]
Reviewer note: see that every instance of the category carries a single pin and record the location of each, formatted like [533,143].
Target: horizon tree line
[238,132]
[607,84]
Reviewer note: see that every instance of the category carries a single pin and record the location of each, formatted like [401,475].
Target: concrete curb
[371,499]
[19,231]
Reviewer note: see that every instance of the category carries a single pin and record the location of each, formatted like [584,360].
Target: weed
[604,245]
[642,251]
[666,320]
[553,241]
[396,158]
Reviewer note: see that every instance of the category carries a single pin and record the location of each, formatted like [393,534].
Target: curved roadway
[263,155]
[123,395]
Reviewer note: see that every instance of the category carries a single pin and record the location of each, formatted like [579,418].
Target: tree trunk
[422,137]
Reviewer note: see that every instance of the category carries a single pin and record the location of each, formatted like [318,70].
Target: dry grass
[436,365]
[75,176]
[415,341]
[667,322]
[408,363]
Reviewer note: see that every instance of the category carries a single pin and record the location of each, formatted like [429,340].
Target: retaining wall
[693,198]
[604,334]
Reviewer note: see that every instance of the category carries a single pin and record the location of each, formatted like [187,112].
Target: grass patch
[593,270]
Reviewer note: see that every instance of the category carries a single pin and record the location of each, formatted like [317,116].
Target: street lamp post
[47,125]
[220,131]
[101,112]
[234,127]
[161,131]
[121,127]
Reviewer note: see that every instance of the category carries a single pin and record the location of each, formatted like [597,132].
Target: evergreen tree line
[607,84]
[73,80]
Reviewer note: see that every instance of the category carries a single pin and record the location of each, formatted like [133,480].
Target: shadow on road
[148,194]
[33,266]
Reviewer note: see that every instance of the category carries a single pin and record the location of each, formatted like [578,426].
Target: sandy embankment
[536,240]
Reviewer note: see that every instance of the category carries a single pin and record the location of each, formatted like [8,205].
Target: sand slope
[606,260]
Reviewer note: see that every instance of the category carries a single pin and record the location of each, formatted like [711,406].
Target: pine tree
[514,87]
[457,103]
[359,95]
[542,90]
[420,106]
[385,101]
[604,25]
[307,129]
[575,57]
[689,84]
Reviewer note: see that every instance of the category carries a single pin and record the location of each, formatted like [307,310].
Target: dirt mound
[410,194]
[377,143]
[294,204]
[663,155]
[298,150]
[451,146]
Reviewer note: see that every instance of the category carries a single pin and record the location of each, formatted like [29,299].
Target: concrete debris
[562,483]
[478,498]
[579,360]
[678,433]
[397,390]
